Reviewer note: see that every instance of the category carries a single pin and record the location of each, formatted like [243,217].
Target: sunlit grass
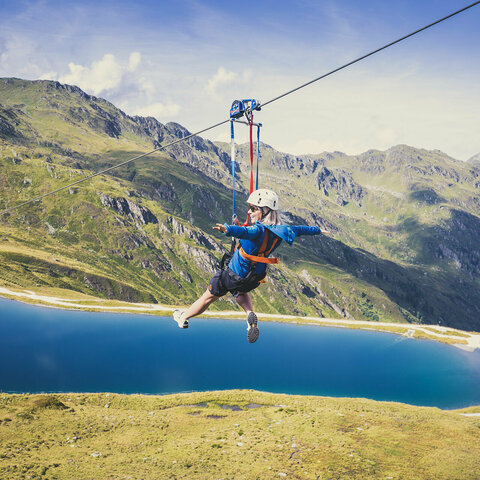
[232,434]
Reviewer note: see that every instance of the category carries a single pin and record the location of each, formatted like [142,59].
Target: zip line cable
[370,54]
[163,147]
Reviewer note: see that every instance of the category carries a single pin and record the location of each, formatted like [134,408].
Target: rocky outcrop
[204,240]
[373,162]
[203,162]
[149,127]
[99,120]
[128,241]
[301,164]
[166,191]
[339,183]
[309,165]
[126,207]
[207,202]
[159,266]
[181,132]
[204,260]
[8,120]
[13,123]
[283,161]
[457,241]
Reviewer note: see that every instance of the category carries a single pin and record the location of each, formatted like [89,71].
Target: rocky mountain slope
[404,223]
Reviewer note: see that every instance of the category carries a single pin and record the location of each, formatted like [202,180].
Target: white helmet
[264,198]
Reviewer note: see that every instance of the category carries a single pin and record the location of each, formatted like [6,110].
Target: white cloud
[147,86]
[3,50]
[101,76]
[222,77]
[123,83]
[134,61]
[159,110]
[104,74]
[48,76]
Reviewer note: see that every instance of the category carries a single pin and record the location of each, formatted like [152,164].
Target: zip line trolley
[239,109]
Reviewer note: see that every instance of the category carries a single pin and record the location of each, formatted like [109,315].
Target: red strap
[247,223]
[251,154]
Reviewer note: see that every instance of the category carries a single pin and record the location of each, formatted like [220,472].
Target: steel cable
[163,147]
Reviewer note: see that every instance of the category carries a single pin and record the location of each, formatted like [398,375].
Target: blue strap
[232,153]
[258,150]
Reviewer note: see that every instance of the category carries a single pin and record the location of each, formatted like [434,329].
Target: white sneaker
[178,317]
[252,331]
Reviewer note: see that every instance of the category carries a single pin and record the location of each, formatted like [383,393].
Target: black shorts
[227,281]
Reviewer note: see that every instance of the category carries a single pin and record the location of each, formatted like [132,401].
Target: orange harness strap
[256,259]
[262,253]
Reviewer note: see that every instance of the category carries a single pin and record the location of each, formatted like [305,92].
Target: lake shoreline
[64,350]
[468,341]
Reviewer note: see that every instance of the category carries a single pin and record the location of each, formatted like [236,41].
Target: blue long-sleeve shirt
[251,239]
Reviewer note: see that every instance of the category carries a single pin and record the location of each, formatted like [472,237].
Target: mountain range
[404,224]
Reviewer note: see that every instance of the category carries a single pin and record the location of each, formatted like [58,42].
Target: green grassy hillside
[404,223]
[234,434]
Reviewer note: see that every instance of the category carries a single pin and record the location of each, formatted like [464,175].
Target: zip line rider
[247,267]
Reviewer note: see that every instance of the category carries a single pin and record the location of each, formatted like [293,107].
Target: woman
[248,265]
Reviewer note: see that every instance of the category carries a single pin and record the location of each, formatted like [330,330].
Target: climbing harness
[261,257]
[263,253]
[239,109]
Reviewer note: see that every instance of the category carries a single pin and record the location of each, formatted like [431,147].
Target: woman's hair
[270,217]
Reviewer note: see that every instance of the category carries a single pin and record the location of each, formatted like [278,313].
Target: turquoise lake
[51,350]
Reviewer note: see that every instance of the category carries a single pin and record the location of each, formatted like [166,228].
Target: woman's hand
[220,228]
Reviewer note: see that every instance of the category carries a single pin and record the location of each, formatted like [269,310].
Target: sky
[186,61]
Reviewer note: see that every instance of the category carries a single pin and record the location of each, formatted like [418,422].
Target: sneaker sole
[185,323]
[253,332]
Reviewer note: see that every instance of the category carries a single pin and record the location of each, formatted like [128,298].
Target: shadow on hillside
[456,242]
[427,196]
[435,297]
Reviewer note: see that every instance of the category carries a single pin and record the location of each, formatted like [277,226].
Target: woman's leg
[200,305]
[244,300]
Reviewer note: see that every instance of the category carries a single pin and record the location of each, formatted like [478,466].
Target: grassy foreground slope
[231,434]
